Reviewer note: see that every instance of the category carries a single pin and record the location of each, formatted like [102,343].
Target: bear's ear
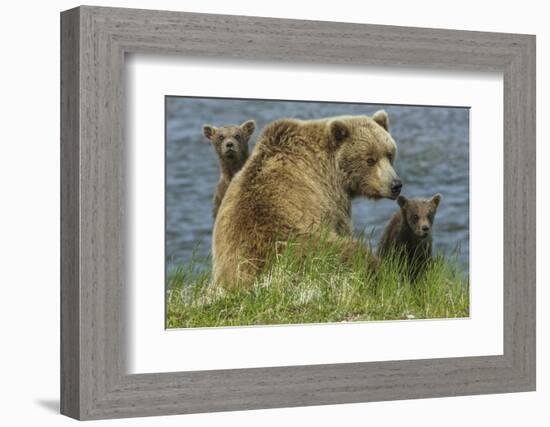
[339,131]
[248,127]
[402,201]
[435,200]
[208,131]
[381,117]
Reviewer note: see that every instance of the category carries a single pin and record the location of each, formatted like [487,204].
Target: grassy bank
[316,288]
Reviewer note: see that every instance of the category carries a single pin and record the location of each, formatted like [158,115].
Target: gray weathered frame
[94,41]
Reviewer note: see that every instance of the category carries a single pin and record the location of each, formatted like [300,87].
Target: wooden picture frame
[94,382]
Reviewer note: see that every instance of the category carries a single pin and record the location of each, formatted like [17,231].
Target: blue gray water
[433,156]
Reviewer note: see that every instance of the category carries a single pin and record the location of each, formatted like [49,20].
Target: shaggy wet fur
[302,176]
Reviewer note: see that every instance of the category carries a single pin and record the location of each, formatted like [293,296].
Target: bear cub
[409,232]
[231,145]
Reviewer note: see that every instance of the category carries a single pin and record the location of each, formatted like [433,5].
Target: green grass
[315,288]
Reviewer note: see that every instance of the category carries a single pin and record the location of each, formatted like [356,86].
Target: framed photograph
[319,285]
[262,213]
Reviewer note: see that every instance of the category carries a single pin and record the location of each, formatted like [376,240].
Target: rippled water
[433,156]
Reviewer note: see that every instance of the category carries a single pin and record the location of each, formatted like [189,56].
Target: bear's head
[231,142]
[419,214]
[365,153]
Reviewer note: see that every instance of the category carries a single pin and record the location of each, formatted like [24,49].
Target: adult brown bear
[301,176]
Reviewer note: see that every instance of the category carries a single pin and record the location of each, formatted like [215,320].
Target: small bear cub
[231,145]
[409,232]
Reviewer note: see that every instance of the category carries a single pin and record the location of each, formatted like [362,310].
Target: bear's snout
[229,144]
[230,148]
[396,186]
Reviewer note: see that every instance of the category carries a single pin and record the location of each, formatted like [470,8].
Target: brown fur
[302,174]
[409,232]
[231,145]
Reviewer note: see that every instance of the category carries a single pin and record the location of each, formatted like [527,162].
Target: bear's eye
[371,161]
[390,157]
[220,138]
[415,218]
[238,136]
